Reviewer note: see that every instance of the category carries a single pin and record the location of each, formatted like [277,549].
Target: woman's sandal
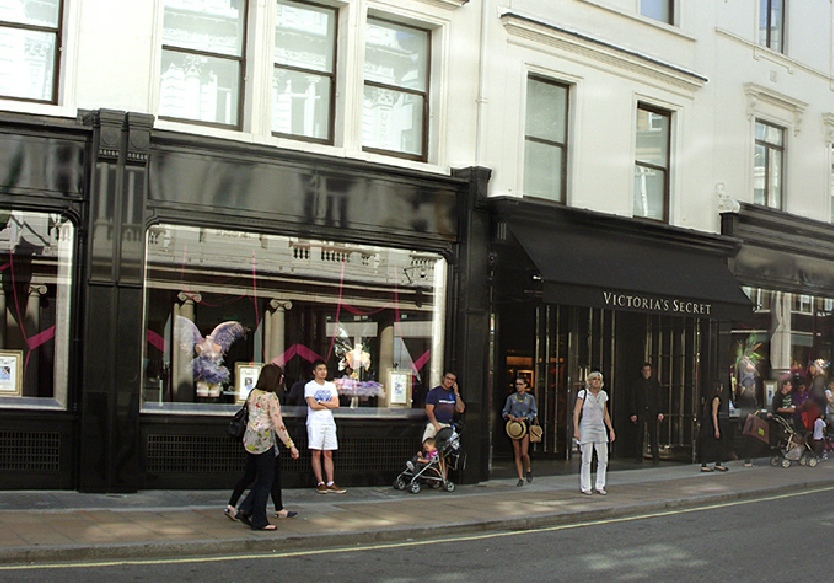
[230,512]
[706,469]
[266,527]
[722,468]
[286,514]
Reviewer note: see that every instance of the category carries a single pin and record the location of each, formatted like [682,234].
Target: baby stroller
[791,446]
[449,454]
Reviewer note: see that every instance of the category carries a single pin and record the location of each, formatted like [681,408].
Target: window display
[789,331]
[220,304]
[36,268]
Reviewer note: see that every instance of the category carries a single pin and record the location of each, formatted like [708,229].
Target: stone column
[274,327]
[780,339]
[386,360]
[63,309]
[181,377]
[33,326]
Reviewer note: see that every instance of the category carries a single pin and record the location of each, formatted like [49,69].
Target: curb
[225,547]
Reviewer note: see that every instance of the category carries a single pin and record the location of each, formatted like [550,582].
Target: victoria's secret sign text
[669,305]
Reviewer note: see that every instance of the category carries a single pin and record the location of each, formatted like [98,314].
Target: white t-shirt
[321,393]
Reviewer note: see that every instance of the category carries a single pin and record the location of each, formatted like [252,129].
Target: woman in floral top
[265,423]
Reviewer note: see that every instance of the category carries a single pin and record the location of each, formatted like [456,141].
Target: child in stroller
[791,446]
[432,464]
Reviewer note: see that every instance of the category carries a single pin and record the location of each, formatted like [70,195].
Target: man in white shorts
[321,396]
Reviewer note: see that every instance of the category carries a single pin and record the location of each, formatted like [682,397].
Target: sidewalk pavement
[51,527]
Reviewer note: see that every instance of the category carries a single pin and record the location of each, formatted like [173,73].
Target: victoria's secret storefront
[578,290]
[149,276]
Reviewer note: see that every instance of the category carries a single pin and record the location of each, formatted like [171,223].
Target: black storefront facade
[131,250]
[786,264]
[577,290]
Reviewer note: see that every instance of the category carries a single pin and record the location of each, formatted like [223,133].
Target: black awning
[628,273]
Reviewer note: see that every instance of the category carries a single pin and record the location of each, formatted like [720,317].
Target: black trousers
[255,502]
[249,477]
[653,439]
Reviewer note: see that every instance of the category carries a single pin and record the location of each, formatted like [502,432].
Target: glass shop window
[36,265]
[782,340]
[220,304]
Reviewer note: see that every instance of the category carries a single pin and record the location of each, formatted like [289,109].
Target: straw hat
[515,429]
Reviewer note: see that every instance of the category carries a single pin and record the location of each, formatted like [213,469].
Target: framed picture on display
[246,377]
[11,380]
[399,388]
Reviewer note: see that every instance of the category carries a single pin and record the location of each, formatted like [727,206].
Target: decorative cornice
[643,20]
[109,126]
[757,94]
[138,127]
[450,4]
[759,52]
[554,216]
[604,53]
[828,128]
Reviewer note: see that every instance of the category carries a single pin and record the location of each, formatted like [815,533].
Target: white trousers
[602,464]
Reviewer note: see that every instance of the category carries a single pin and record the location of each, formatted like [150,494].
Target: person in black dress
[711,438]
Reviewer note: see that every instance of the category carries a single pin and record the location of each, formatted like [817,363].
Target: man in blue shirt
[441,404]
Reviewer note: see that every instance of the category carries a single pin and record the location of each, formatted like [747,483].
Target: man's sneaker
[334,489]
[321,488]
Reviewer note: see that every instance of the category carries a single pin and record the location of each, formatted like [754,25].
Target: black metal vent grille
[193,454]
[30,451]
[205,454]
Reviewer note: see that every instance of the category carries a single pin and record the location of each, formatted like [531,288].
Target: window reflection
[29,33]
[221,303]
[36,256]
[787,332]
[202,61]
[395,102]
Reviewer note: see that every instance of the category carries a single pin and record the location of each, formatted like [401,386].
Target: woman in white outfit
[592,404]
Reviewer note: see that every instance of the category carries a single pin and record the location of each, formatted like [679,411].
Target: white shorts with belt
[321,434]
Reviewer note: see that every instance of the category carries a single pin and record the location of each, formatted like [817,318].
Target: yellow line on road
[408,543]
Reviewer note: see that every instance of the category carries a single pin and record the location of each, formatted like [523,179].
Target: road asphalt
[63,526]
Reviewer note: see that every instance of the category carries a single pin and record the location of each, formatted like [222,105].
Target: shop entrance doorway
[555,347]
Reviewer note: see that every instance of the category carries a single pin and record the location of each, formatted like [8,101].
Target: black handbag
[237,426]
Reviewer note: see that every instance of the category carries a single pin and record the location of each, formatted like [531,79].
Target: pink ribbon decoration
[421,362]
[296,349]
[156,340]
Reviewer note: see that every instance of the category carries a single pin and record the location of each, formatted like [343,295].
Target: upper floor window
[772,24]
[768,175]
[203,47]
[30,40]
[303,77]
[651,168]
[545,139]
[396,90]
[660,10]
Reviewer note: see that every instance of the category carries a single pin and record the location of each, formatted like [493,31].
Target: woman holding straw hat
[519,411]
